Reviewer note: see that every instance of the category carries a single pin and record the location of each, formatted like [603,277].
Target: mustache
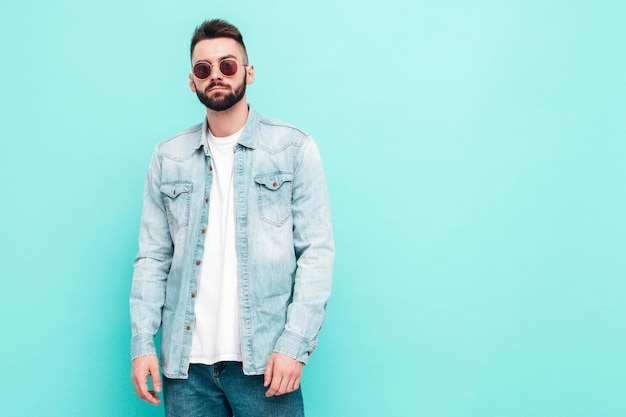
[216,84]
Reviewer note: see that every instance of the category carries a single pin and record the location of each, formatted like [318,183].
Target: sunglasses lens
[228,67]
[202,70]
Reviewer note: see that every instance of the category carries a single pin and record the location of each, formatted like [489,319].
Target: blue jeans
[222,390]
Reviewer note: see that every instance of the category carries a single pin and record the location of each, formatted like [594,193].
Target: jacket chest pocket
[274,197]
[177,198]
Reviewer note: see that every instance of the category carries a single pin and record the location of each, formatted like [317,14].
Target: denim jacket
[284,243]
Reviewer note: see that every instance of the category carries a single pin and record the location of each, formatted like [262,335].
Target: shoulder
[277,134]
[182,144]
[276,124]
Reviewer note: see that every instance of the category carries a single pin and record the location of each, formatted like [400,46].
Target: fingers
[143,367]
[156,376]
[282,375]
[282,385]
[274,388]
[295,385]
[269,372]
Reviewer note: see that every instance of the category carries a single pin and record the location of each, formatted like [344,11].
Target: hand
[142,367]
[282,374]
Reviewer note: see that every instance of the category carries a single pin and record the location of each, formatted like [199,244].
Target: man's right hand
[144,366]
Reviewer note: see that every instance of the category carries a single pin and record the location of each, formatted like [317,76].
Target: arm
[147,298]
[314,248]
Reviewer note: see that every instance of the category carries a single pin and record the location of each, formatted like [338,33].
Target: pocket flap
[274,180]
[174,189]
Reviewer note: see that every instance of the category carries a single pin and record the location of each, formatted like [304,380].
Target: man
[235,251]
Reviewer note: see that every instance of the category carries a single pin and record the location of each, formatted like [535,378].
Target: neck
[227,122]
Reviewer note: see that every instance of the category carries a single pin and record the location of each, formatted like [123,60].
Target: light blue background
[475,156]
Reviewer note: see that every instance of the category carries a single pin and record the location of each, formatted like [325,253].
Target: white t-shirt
[216,335]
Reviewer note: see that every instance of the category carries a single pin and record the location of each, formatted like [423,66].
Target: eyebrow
[218,60]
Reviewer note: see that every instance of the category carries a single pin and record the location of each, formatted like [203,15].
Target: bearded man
[236,252]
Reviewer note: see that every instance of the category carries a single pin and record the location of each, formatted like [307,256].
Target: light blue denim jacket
[284,244]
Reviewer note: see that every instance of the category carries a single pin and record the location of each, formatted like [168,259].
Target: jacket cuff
[294,346]
[142,345]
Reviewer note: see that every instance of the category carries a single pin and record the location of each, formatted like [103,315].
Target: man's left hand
[282,374]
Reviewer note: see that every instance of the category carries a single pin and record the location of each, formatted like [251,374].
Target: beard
[223,100]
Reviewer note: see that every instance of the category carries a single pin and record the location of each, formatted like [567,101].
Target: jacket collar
[247,139]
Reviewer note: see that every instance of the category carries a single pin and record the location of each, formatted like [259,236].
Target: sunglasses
[228,68]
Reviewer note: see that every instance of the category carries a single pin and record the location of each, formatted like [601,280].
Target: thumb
[269,371]
[156,377]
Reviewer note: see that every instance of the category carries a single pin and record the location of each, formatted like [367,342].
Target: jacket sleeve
[314,249]
[151,266]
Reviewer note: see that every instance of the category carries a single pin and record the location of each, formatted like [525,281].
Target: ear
[192,84]
[249,74]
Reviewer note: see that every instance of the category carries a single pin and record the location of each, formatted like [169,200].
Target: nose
[215,74]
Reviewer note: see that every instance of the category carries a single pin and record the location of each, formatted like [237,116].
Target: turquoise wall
[475,153]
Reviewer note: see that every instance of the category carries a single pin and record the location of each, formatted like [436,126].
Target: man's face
[219,92]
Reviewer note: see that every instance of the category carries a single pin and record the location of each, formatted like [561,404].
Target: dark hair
[217,28]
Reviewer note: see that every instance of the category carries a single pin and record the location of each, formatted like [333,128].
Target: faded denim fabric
[223,390]
[284,241]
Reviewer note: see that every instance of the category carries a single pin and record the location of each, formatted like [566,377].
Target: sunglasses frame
[218,65]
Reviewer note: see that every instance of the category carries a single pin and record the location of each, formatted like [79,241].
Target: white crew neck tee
[216,334]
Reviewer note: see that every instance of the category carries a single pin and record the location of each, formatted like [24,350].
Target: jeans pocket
[274,197]
[177,198]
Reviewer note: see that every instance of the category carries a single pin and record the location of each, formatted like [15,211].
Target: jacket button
[206,199]
[193,295]
[198,262]
[274,185]
[211,168]
[203,231]
[188,327]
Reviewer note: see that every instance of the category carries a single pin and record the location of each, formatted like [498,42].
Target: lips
[216,87]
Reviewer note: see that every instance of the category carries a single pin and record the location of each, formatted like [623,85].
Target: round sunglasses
[228,67]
